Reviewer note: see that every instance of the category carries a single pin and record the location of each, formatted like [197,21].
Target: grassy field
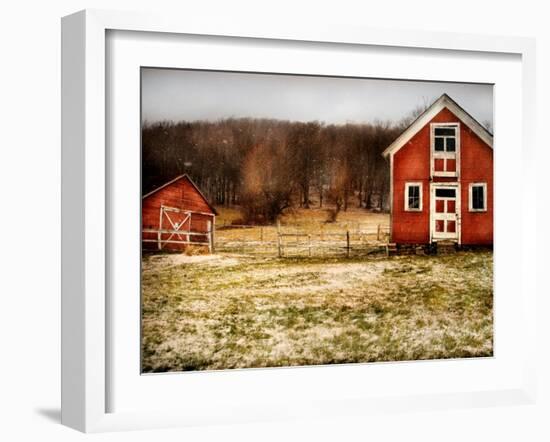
[235,311]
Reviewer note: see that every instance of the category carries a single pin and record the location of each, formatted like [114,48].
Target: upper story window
[445,146]
[444,139]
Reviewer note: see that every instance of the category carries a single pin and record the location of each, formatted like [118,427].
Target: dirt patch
[205,260]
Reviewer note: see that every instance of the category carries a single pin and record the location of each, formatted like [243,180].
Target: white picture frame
[87,202]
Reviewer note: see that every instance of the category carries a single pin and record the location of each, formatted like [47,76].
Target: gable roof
[437,106]
[191,182]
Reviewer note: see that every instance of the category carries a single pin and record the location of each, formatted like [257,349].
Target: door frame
[458,205]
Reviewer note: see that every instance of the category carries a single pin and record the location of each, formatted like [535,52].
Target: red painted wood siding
[476,162]
[412,164]
[180,194]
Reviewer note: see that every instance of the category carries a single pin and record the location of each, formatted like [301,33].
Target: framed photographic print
[275,228]
[275,223]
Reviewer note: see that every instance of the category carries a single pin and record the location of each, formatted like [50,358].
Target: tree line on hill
[268,166]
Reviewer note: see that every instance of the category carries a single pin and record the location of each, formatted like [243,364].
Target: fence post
[378,233]
[279,245]
[159,234]
[309,244]
[347,243]
[261,234]
[322,236]
[210,233]
[213,235]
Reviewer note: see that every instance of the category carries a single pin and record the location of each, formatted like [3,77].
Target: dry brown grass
[263,239]
[237,311]
[310,217]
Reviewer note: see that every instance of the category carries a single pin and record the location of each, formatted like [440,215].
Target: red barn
[441,172]
[175,216]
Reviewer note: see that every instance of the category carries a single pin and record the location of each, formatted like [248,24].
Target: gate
[175,228]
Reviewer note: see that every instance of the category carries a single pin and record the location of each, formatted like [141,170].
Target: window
[478,197]
[445,139]
[445,193]
[413,197]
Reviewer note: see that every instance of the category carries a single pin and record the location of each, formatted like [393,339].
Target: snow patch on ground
[211,260]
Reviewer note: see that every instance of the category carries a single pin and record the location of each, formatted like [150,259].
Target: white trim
[441,103]
[406,196]
[445,155]
[391,198]
[458,208]
[470,197]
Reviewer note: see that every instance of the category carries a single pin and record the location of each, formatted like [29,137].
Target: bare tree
[488,125]
[338,192]
[267,166]
[267,185]
[415,113]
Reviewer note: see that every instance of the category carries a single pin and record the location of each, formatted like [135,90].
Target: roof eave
[172,181]
[437,106]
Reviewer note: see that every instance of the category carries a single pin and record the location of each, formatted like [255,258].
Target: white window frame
[471,197]
[413,184]
[445,155]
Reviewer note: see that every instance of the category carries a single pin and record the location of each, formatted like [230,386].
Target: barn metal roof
[190,181]
[437,106]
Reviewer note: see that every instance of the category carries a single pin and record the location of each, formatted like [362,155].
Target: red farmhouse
[441,172]
[175,216]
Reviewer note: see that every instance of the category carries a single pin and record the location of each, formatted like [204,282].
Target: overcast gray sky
[173,94]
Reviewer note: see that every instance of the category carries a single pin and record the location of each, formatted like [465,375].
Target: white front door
[444,211]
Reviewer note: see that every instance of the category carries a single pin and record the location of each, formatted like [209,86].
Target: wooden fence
[295,240]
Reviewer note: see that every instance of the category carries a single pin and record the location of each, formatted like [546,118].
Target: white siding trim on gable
[441,103]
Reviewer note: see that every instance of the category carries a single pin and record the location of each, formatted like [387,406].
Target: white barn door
[445,212]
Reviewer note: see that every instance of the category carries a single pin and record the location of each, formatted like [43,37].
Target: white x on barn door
[179,224]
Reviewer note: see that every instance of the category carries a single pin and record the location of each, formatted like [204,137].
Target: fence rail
[291,241]
[181,237]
